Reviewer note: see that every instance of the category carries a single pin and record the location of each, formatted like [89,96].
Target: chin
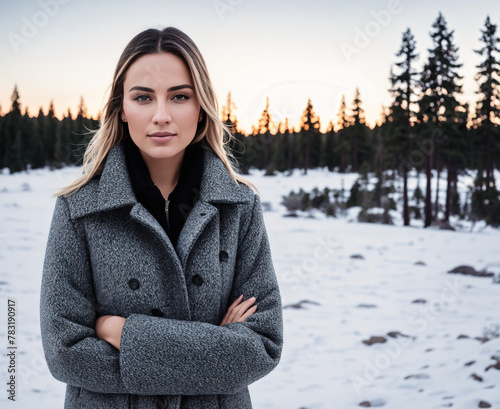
[163,152]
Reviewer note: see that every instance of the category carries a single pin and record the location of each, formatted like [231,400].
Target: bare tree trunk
[290,151]
[490,174]
[380,168]
[455,187]
[355,153]
[406,210]
[449,191]
[428,191]
[266,150]
[381,153]
[438,169]
[307,153]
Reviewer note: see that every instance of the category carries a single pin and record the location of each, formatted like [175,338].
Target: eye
[180,97]
[142,98]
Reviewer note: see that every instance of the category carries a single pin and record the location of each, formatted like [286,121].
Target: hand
[109,328]
[239,311]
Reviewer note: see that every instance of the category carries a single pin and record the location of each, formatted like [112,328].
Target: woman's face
[160,105]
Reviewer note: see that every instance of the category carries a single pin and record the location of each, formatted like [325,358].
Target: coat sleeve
[167,356]
[72,350]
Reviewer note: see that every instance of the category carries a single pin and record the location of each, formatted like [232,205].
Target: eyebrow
[146,89]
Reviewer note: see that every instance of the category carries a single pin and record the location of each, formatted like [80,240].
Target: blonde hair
[211,130]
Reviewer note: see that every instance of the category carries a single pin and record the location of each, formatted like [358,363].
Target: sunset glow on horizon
[62,50]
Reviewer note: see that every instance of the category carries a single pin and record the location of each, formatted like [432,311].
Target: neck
[164,172]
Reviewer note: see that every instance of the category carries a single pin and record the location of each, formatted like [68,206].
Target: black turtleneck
[181,199]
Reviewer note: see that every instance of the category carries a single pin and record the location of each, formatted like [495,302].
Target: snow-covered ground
[341,282]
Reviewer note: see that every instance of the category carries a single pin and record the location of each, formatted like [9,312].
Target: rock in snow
[375,340]
[375,403]
[470,271]
[300,304]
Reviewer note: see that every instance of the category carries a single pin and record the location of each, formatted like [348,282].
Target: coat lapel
[112,189]
[216,187]
[198,219]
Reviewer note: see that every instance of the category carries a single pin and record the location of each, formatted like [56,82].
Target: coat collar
[113,189]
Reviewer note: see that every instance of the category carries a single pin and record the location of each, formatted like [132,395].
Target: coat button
[134,284]
[157,313]
[161,403]
[223,256]
[197,280]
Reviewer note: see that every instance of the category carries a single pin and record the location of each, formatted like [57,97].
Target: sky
[289,51]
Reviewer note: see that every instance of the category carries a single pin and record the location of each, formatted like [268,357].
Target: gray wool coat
[107,255]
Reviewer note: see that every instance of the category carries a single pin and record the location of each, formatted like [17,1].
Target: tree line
[425,129]
[30,142]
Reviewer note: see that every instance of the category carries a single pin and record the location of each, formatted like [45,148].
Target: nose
[162,114]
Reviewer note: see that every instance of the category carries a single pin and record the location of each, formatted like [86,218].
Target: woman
[153,252]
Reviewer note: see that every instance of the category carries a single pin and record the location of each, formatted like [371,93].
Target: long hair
[214,133]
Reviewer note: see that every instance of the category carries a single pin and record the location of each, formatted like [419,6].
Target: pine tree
[10,140]
[2,137]
[438,103]
[278,149]
[357,132]
[236,140]
[329,150]
[487,110]
[488,107]
[309,128]
[239,149]
[227,114]
[264,135]
[65,138]
[41,157]
[454,154]
[31,141]
[52,130]
[289,136]
[79,133]
[378,131]
[401,113]
[342,142]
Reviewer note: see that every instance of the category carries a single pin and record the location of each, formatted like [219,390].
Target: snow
[349,280]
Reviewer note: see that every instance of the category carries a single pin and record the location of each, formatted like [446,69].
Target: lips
[161,137]
[161,134]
